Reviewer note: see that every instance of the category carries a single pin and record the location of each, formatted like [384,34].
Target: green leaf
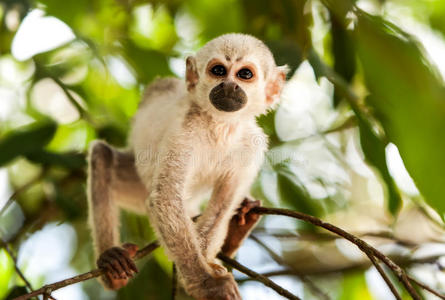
[374,150]
[6,272]
[267,123]
[343,51]
[26,140]
[286,52]
[292,193]
[147,63]
[66,160]
[408,99]
[354,287]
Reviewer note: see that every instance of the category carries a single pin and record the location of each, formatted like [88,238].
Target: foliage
[382,88]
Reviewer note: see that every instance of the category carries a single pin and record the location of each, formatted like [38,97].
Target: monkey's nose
[229,87]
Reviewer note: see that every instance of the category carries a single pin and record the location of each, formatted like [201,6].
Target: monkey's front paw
[217,288]
[118,265]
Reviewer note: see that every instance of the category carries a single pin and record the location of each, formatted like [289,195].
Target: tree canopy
[358,138]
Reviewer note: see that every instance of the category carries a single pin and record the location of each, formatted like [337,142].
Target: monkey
[191,140]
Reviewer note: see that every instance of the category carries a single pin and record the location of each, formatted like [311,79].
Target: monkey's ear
[191,73]
[276,84]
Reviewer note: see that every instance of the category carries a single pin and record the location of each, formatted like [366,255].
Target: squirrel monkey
[189,139]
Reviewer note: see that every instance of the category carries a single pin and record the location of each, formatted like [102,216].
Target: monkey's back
[161,110]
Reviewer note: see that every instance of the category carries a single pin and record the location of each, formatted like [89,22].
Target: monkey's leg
[103,213]
[176,231]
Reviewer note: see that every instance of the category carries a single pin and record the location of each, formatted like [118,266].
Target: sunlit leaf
[6,272]
[408,99]
[354,287]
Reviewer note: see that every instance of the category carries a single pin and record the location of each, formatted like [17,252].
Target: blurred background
[358,138]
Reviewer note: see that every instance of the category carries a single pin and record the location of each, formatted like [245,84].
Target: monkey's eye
[218,70]
[245,74]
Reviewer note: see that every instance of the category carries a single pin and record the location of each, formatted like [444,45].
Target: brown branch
[258,277]
[22,189]
[285,272]
[425,287]
[362,245]
[314,288]
[385,277]
[14,260]
[83,277]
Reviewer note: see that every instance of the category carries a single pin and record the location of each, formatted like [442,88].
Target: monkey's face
[227,94]
[234,75]
[230,86]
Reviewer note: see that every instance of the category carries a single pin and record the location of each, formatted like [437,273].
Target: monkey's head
[234,74]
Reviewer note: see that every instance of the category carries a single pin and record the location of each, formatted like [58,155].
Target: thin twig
[82,112]
[362,245]
[266,281]
[17,269]
[313,287]
[425,287]
[22,189]
[14,260]
[385,277]
[85,276]
[285,272]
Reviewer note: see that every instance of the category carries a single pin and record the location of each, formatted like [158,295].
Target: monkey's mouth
[228,97]
[228,104]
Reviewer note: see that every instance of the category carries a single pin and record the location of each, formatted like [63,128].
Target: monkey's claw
[243,211]
[118,265]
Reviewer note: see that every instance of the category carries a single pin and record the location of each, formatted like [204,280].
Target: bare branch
[385,277]
[314,288]
[427,288]
[258,277]
[362,245]
[21,190]
[85,276]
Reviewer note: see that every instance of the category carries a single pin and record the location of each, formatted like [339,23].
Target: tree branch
[362,245]
[85,276]
[258,277]
[425,287]
[385,277]
[314,288]
[17,269]
[22,189]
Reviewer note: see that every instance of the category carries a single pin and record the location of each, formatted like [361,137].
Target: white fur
[186,149]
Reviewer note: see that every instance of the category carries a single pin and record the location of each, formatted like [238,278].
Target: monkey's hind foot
[244,215]
[240,226]
[118,265]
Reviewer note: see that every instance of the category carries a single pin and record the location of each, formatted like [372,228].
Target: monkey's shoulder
[163,86]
